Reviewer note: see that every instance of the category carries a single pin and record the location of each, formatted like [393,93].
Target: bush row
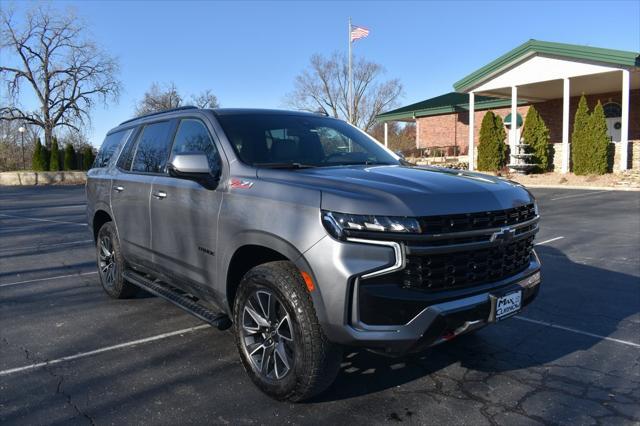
[53,159]
[589,141]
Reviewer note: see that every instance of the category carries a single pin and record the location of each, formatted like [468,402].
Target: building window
[507,121]
[612,110]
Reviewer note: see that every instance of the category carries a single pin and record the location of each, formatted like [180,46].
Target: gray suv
[306,236]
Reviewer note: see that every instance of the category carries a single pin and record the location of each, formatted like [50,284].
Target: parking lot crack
[67,396]
[59,388]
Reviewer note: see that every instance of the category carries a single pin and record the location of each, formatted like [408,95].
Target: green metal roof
[443,104]
[571,51]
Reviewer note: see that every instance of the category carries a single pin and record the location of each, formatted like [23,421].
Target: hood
[404,190]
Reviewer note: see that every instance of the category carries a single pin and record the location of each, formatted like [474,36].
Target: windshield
[283,140]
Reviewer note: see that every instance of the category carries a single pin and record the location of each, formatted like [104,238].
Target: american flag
[358,33]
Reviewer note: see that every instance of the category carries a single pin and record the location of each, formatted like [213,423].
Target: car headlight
[337,223]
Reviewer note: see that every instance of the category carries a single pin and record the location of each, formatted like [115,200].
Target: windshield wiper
[284,165]
[362,163]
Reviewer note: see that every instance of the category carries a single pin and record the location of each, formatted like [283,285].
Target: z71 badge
[236,183]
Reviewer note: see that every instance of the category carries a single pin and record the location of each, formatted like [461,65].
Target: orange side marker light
[308,281]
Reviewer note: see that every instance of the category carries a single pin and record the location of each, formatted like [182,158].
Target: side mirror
[194,166]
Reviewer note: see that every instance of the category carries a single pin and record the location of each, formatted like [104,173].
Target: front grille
[474,221]
[443,271]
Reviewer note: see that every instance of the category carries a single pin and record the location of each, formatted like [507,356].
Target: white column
[513,134]
[472,116]
[566,96]
[624,136]
[386,134]
[417,133]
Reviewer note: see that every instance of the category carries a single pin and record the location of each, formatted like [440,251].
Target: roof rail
[159,112]
[322,111]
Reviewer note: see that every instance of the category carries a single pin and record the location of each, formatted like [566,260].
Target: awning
[507,120]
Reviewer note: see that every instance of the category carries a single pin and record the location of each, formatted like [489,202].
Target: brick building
[551,76]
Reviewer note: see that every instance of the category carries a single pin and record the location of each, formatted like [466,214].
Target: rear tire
[111,264]
[281,343]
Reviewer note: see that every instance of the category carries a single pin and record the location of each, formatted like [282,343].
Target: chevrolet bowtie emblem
[503,235]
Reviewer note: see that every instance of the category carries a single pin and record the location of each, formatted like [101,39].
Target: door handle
[159,195]
[118,188]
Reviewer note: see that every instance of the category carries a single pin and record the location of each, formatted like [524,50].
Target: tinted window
[264,139]
[153,148]
[126,155]
[193,136]
[109,147]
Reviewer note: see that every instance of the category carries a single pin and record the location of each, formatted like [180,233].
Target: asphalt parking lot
[69,354]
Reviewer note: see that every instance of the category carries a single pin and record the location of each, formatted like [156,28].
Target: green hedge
[536,135]
[87,157]
[69,157]
[492,151]
[599,141]
[37,160]
[589,140]
[54,162]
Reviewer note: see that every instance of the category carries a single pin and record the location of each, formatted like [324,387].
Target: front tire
[111,264]
[281,343]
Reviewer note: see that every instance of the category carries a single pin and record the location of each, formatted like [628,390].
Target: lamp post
[21,129]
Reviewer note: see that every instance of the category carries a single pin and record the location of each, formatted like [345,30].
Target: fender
[273,242]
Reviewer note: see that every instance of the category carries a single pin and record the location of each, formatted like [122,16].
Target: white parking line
[101,350]
[203,326]
[70,243]
[548,241]
[580,195]
[48,279]
[575,330]
[42,220]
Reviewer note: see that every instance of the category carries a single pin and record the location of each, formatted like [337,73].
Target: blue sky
[249,53]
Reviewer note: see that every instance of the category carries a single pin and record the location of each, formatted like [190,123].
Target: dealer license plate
[505,306]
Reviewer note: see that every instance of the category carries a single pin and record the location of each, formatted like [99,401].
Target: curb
[586,188]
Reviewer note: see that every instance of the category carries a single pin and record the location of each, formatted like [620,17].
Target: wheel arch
[100,217]
[256,248]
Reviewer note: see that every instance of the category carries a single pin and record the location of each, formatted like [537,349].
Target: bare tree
[402,137]
[66,71]
[324,85]
[205,99]
[77,139]
[11,143]
[163,97]
[159,98]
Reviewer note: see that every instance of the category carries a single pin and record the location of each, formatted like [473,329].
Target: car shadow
[512,345]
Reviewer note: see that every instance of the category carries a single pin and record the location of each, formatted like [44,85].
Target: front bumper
[448,319]
[440,317]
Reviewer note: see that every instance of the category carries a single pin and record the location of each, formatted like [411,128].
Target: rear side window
[126,154]
[109,147]
[193,136]
[153,148]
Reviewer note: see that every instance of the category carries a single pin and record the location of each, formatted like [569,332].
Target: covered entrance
[538,72]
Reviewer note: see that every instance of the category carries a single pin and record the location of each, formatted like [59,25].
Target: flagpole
[350,90]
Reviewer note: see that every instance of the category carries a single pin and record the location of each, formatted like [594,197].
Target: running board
[157,288]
